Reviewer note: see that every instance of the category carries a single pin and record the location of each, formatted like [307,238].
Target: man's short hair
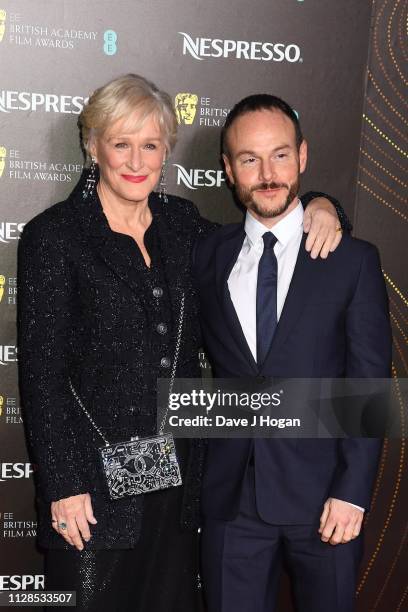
[259,102]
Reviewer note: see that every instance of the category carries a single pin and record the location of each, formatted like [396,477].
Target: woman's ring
[339,229]
[62,525]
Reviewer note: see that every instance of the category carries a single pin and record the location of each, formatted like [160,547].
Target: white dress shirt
[243,278]
[244,275]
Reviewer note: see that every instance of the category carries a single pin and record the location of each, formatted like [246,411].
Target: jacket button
[161,328]
[157,292]
[165,362]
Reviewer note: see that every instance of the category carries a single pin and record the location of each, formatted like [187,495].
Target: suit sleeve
[369,337]
[46,340]
[369,345]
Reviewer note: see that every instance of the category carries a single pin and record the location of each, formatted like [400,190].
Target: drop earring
[90,181]
[162,185]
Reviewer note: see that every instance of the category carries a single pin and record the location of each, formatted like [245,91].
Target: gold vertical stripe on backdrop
[390,49]
[381,167]
[384,186]
[380,199]
[387,121]
[382,177]
[397,325]
[377,486]
[395,494]
[395,288]
[400,34]
[384,97]
[404,596]
[384,136]
[386,155]
[399,312]
[397,557]
[401,354]
[380,61]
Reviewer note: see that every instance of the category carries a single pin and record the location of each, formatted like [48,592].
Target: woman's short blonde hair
[121,98]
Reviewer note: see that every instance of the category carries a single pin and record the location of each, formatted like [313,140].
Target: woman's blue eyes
[123,145]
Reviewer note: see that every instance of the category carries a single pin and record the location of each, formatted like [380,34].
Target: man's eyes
[251,160]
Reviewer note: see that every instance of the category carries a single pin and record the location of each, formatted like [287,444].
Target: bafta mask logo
[2,283]
[1,404]
[3,155]
[3,15]
[186,107]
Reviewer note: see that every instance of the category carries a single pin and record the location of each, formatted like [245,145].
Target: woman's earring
[90,181]
[162,185]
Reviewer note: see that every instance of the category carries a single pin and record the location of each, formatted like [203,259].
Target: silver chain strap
[78,399]
[176,354]
[172,377]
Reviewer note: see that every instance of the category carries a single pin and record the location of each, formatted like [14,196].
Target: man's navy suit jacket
[335,323]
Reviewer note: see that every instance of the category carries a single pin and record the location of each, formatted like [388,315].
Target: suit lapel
[225,258]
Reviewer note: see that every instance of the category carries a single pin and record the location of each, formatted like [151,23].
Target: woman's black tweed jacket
[83,313]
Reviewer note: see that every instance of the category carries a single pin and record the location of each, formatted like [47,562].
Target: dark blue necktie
[266,296]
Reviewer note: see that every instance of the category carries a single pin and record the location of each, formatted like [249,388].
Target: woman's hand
[71,517]
[321,222]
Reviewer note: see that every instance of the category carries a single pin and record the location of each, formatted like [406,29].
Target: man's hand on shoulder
[321,222]
[340,521]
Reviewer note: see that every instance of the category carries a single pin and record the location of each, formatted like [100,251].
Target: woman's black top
[90,310]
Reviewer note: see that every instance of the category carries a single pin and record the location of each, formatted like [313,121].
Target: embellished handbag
[141,465]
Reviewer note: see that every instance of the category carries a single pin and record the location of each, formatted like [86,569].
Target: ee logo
[110,38]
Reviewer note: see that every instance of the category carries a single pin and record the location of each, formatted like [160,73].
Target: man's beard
[246,198]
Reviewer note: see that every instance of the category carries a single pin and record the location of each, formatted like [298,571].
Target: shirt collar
[284,230]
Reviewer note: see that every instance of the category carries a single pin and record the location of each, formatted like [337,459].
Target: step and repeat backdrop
[339,64]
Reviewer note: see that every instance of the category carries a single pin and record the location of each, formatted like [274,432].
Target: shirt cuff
[355,505]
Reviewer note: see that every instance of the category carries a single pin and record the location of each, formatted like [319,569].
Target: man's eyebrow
[246,152]
[249,152]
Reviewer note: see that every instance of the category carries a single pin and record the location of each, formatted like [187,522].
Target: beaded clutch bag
[140,465]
